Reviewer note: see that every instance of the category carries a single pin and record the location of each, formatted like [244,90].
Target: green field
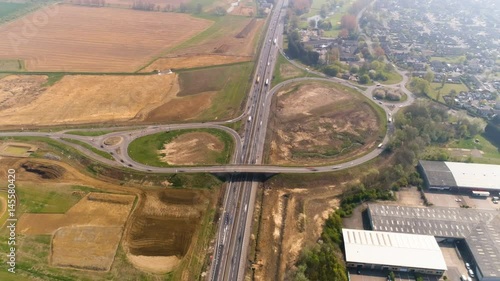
[11,65]
[89,133]
[454,60]
[436,89]
[8,10]
[145,149]
[232,83]
[392,78]
[91,148]
[491,152]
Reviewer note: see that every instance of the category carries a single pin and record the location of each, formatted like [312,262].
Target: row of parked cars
[470,271]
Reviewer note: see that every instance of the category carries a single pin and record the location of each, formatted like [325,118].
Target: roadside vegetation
[284,70]
[91,148]
[146,150]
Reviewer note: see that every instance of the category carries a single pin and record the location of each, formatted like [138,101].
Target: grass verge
[91,148]
[145,149]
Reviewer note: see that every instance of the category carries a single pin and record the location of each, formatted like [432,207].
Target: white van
[463,278]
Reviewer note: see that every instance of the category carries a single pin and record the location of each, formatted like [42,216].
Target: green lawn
[491,152]
[145,149]
[89,133]
[454,60]
[11,65]
[392,78]
[231,82]
[91,148]
[8,10]
[436,89]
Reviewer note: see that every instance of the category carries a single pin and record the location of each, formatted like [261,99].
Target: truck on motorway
[267,82]
[258,79]
[274,41]
[249,118]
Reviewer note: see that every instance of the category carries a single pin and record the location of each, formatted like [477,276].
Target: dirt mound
[46,171]
[246,30]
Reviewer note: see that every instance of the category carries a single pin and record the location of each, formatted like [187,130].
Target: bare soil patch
[99,243]
[163,226]
[192,148]
[18,90]
[183,62]
[86,99]
[15,149]
[79,38]
[181,108]
[319,123]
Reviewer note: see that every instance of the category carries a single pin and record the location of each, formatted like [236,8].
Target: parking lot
[455,200]
[444,199]
[454,262]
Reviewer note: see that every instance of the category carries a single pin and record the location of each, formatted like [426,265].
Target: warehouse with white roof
[462,177]
[393,251]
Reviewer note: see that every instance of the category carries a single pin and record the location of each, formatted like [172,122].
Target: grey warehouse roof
[479,228]
[394,249]
[467,175]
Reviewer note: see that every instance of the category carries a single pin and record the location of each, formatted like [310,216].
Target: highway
[232,238]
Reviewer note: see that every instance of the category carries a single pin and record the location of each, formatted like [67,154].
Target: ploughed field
[77,38]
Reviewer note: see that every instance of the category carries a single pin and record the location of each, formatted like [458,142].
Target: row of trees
[297,50]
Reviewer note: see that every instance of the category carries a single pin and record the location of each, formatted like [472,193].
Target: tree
[220,11]
[331,70]
[198,8]
[429,76]
[349,23]
[419,86]
[364,79]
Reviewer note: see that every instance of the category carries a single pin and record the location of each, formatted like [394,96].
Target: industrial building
[393,251]
[479,229]
[461,177]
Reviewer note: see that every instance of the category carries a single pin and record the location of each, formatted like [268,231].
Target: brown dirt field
[291,220]
[192,148]
[98,243]
[193,61]
[96,209]
[77,38]
[174,4]
[174,216]
[87,99]
[314,124]
[17,90]
[224,40]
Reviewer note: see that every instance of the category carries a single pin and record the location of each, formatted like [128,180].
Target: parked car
[471,273]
